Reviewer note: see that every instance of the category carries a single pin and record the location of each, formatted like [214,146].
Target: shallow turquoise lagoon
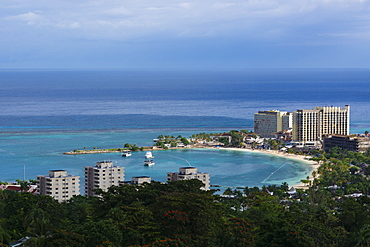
[31,154]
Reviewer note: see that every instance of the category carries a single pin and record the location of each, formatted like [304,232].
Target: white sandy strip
[313,164]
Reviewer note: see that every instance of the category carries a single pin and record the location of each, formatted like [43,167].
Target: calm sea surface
[44,113]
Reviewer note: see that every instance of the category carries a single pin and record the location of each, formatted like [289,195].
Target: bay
[47,112]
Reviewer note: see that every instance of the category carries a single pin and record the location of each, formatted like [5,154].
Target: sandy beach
[302,158]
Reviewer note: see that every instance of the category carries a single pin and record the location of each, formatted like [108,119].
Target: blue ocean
[47,112]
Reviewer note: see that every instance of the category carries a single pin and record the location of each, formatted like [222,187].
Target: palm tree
[228,192]
[363,236]
[254,144]
[38,225]
[24,184]
[4,235]
[284,186]
[127,145]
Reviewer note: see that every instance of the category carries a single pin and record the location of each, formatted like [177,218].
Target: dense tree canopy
[329,213]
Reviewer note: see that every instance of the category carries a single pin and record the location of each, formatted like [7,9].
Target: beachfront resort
[275,132]
[330,209]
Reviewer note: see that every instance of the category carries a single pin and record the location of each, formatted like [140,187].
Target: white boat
[149,163]
[149,155]
[126,153]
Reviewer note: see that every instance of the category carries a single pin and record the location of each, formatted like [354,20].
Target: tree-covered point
[203,136]
[171,140]
[234,138]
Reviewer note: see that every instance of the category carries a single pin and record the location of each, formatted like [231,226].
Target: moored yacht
[149,155]
[149,163]
[126,153]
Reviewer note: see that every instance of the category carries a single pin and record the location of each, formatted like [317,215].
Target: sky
[184,34]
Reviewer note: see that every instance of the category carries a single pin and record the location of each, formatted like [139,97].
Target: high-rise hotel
[266,123]
[307,125]
[310,125]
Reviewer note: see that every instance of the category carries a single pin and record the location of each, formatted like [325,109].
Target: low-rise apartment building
[137,180]
[348,142]
[190,173]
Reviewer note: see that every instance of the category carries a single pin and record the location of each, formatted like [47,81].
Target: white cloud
[120,11]
[30,18]
[185,5]
[143,18]
[68,25]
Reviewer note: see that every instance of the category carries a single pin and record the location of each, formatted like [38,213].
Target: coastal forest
[333,211]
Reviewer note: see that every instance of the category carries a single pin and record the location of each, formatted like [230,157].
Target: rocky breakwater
[91,152]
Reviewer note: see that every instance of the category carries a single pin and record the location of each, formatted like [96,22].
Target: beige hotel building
[268,122]
[59,185]
[189,173]
[102,176]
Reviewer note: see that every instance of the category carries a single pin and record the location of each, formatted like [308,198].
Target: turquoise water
[40,152]
[44,113]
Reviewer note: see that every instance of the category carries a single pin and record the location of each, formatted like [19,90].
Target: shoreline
[314,165]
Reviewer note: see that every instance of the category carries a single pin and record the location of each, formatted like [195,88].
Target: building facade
[186,173]
[268,122]
[350,143]
[141,179]
[102,176]
[310,125]
[59,185]
[137,180]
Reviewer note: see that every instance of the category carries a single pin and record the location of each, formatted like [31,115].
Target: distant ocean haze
[235,94]
[46,112]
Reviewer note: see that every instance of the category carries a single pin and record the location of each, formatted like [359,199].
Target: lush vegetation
[155,214]
[165,141]
[334,211]
[181,214]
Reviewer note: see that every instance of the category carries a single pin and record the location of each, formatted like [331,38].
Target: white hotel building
[102,176]
[310,125]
